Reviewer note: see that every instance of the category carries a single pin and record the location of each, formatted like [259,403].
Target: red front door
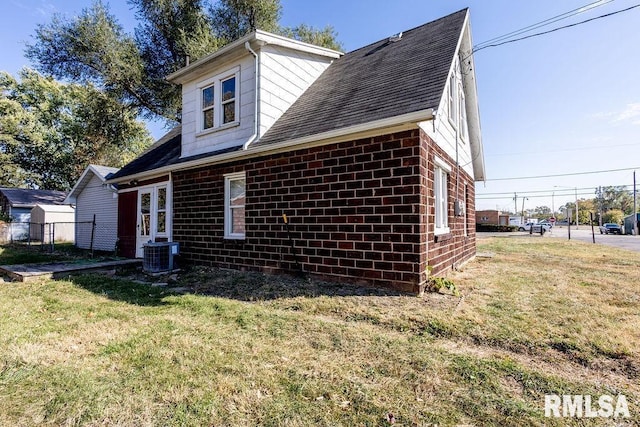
[127,217]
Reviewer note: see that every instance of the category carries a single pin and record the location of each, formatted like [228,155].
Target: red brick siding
[445,252]
[357,212]
[353,211]
[492,217]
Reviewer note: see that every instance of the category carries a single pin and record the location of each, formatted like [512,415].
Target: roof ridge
[410,29]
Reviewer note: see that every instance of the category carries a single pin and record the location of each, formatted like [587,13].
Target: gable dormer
[220,109]
[456,126]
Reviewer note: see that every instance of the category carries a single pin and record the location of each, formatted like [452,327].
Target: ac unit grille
[158,257]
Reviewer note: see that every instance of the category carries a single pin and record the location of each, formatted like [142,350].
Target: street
[584,234]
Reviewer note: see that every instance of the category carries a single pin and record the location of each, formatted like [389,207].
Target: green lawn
[248,349]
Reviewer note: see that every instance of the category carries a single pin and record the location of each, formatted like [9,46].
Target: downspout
[253,137]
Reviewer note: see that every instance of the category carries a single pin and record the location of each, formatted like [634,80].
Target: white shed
[95,199]
[52,223]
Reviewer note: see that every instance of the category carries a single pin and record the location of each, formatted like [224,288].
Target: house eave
[260,37]
[364,130]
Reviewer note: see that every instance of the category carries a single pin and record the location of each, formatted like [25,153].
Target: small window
[452,99]
[208,107]
[234,201]
[219,100]
[464,131]
[440,182]
[229,100]
[162,211]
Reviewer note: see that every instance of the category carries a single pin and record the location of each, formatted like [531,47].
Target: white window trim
[153,223]
[462,114]
[466,203]
[218,113]
[228,217]
[453,102]
[441,196]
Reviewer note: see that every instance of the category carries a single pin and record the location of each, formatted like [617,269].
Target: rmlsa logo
[579,406]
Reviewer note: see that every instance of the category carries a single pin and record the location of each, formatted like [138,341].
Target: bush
[496,228]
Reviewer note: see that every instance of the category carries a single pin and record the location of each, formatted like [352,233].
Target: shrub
[496,228]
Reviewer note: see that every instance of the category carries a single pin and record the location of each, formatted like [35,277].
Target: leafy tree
[614,197]
[93,47]
[234,19]
[585,207]
[320,37]
[615,216]
[50,131]
[541,212]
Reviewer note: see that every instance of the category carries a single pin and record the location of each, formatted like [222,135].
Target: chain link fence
[89,235]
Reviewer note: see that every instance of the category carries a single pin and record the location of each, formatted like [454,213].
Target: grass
[542,316]
[64,252]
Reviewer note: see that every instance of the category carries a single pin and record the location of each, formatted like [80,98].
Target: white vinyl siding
[196,140]
[284,75]
[99,200]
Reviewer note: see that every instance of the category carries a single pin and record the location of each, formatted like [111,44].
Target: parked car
[546,223]
[536,227]
[610,228]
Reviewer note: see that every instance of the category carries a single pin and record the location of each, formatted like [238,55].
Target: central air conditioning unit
[158,256]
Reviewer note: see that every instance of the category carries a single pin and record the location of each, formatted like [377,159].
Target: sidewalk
[33,272]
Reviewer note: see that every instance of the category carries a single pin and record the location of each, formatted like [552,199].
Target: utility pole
[522,218]
[577,223]
[635,207]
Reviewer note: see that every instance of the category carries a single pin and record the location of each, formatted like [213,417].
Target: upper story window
[463,127]
[452,99]
[218,100]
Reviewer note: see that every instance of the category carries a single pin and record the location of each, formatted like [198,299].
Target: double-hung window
[440,180]
[463,129]
[452,99]
[235,190]
[219,101]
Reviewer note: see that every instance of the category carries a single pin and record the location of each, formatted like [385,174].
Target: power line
[538,196]
[555,190]
[563,174]
[547,21]
[555,29]
[543,152]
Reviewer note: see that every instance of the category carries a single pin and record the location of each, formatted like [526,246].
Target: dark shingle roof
[382,80]
[165,152]
[27,198]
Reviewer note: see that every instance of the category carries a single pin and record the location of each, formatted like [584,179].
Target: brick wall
[445,252]
[356,213]
[488,217]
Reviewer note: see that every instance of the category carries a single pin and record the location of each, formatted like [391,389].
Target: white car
[536,227]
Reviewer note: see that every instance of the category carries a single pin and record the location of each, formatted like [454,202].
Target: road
[584,234]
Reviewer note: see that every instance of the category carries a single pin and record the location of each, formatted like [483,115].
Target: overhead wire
[548,21]
[554,29]
[563,174]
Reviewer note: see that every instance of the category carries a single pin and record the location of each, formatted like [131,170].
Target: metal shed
[52,223]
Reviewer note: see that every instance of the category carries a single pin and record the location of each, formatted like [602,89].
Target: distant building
[17,204]
[492,217]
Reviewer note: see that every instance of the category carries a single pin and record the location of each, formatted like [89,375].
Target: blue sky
[561,103]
